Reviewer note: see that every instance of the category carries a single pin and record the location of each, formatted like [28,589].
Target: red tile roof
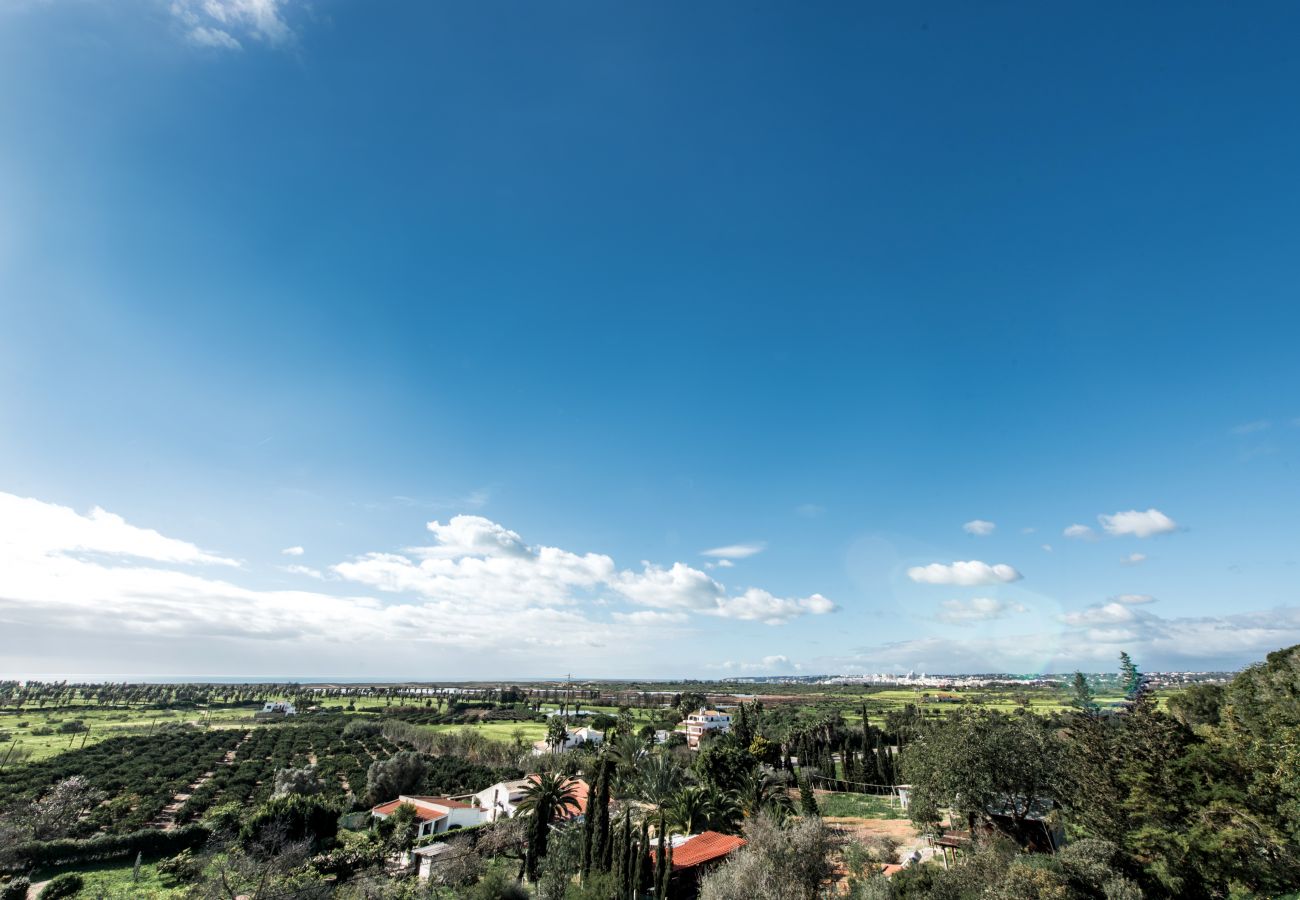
[422,813]
[704,847]
[580,791]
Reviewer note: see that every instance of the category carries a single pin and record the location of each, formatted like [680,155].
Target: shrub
[150,841]
[73,726]
[362,728]
[15,889]
[181,868]
[65,885]
[42,731]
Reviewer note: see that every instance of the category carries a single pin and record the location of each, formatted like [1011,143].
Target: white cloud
[756,604]
[775,663]
[203,36]
[979,609]
[292,551]
[979,527]
[1101,614]
[1134,599]
[736,551]
[1137,523]
[651,617]
[69,577]
[724,564]
[1134,559]
[215,23]
[1047,548]
[971,572]
[1082,532]
[30,528]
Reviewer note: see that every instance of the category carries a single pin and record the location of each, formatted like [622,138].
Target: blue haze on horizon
[813,286]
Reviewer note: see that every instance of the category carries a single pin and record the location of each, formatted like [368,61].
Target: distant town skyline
[430,342]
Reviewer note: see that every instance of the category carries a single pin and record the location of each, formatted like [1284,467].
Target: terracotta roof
[704,847]
[423,813]
[580,791]
[445,801]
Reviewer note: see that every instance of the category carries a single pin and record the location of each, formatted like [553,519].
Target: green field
[103,723]
[861,806]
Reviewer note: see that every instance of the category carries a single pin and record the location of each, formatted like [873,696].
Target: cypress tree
[661,860]
[589,827]
[643,858]
[603,847]
[666,879]
[620,857]
[632,866]
[807,800]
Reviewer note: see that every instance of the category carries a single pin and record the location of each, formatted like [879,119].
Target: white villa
[698,723]
[501,801]
[282,707]
[435,814]
[575,737]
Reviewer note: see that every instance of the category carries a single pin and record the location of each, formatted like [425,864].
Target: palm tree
[763,791]
[688,811]
[659,778]
[545,799]
[724,809]
[556,734]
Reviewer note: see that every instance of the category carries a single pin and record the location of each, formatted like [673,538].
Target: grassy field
[862,806]
[27,743]
[115,881]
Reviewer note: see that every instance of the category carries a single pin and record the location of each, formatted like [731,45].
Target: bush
[151,842]
[73,726]
[42,731]
[65,885]
[16,889]
[180,869]
[362,728]
[291,818]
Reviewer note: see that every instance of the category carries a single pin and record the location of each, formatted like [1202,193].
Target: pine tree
[1083,697]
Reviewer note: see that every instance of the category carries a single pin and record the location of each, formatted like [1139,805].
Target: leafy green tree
[401,773]
[980,763]
[304,781]
[290,819]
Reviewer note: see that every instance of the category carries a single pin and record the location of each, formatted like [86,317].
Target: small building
[435,814]
[427,857]
[278,707]
[501,800]
[575,738]
[694,856]
[702,721]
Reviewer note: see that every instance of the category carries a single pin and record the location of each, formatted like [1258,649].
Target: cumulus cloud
[1079,532]
[736,551]
[1137,524]
[1134,559]
[478,585]
[31,528]
[979,527]
[1047,548]
[979,609]
[292,551]
[971,572]
[220,23]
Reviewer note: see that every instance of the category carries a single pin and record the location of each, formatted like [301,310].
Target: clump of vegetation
[65,885]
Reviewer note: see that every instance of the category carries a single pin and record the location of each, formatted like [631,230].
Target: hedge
[65,852]
[66,885]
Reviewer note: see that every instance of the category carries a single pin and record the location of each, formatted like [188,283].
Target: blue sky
[633,282]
